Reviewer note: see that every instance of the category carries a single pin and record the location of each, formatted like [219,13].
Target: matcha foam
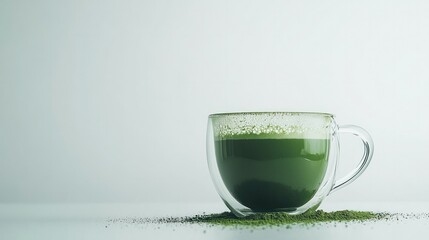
[272,125]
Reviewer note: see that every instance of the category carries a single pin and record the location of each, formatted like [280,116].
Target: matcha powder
[227,219]
[276,219]
[270,219]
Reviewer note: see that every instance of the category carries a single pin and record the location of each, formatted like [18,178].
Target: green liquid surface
[272,174]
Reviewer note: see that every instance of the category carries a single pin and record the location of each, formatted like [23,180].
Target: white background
[107,101]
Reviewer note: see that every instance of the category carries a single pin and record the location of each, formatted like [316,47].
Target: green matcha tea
[272,174]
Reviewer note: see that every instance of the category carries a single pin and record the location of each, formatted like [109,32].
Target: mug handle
[366,158]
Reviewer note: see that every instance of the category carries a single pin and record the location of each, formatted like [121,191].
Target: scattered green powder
[226,219]
[275,219]
[266,219]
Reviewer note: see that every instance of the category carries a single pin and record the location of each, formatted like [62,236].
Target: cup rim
[222,114]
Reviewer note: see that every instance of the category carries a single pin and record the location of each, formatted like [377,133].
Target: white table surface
[91,221]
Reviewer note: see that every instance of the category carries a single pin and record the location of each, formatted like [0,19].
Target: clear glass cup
[278,161]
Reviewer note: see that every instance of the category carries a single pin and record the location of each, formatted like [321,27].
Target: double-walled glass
[278,161]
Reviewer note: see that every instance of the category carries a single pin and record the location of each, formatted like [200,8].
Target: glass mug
[278,161]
